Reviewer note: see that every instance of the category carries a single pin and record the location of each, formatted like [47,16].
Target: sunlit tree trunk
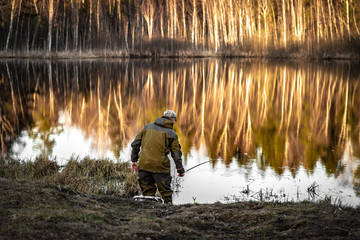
[348,18]
[249,20]
[203,2]
[36,9]
[265,10]
[335,22]
[162,32]
[241,31]
[51,15]
[11,23]
[132,36]
[175,18]
[275,29]
[126,35]
[170,25]
[318,24]
[247,23]
[216,30]
[330,22]
[259,21]
[232,23]
[148,12]
[299,18]
[284,21]
[355,21]
[293,20]
[224,32]
[325,29]
[184,19]
[98,16]
[211,28]
[194,25]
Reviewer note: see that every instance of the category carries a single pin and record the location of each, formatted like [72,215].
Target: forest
[273,28]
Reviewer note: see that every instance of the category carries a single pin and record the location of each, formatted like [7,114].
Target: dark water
[270,130]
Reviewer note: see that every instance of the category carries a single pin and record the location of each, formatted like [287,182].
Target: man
[156,141]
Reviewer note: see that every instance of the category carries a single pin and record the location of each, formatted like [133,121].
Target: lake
[262,130]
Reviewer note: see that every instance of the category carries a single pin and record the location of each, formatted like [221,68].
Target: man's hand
[181,172]
[134,167]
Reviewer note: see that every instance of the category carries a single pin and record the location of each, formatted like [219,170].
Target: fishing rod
[197,166]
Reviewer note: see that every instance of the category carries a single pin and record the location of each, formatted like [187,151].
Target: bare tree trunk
[51,15]
[211,28]
[265,8]
[318,23]
[118,9]
[98,16]
[330,20]
[241,32]
[133,36]
[215,23]
[36,9]
[184,21]
[259,21]
[90,21]
[223,24]
[175,18]
[2,132]
[284,21]
[126,35]
[204,20]
[162,23]
[293,21]
[348,18]
[35,33]
[300,27]
[11,23]
[275,25]
[75,14]
[356,27]
[17,24]
[148,13]
[194,25]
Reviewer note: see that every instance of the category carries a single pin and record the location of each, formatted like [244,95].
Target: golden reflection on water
[297,113]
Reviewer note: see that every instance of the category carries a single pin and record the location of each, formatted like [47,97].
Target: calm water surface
[265,130]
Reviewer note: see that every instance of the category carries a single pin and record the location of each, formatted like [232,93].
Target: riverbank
[150,53]
[38,210]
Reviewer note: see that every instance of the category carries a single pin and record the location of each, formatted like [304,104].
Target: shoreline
[50,211]
[94,55]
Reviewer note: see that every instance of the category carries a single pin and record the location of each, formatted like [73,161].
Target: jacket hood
[164,122]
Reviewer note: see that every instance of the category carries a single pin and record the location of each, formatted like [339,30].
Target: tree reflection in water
[297,113]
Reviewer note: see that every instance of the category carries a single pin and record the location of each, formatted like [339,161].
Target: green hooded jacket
[156,141]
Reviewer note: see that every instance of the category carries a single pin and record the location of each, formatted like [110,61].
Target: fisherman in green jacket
[156,141]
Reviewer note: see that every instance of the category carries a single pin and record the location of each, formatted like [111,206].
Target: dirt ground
[35,210]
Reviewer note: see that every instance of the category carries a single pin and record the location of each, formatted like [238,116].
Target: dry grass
[46,211]
[86,175]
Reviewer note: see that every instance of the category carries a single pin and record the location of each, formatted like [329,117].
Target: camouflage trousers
[150,182]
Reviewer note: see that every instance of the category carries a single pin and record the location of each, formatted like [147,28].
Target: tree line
[156,26]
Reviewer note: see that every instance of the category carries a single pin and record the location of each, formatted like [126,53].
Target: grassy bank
[167,48]
[36,210]
[88,176]
[324,54]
